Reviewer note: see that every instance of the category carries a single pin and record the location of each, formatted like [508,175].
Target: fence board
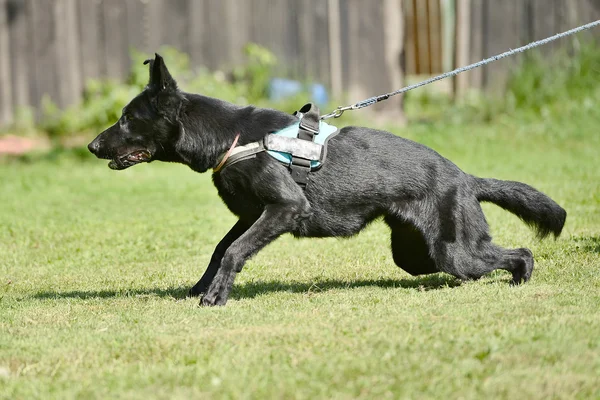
[156,11]
[545,22]
[463,44]
[591,10]
[504,26]
[238,26]
[291,41]
[422,33]
[435,33]
[22,54]
[477,40]
[199,39]
[410,54]
[367,48]
[173,24]
[6,109]
[313,39]
[137,25]
[393,40]
[44,44]
[335,48]
[260,31]
[69,78]
[117,59]
[566,13]
[215,18]
[276,21]
[92,50]
[351,45]
[321,51]
[587,11]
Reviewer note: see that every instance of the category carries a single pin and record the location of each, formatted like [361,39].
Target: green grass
[94,267]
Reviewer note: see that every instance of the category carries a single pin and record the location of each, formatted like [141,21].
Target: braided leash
[376,99]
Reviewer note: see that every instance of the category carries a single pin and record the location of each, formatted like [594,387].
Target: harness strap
[241,153]
[309,122]
[226,156]
[299,169]
[246,152]
[308,128]
[302,151]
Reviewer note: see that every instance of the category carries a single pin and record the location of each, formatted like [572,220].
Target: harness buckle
[308,127]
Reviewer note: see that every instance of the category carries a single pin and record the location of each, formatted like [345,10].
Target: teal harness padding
[325,132]
[301,147]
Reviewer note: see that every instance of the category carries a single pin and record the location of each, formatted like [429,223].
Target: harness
[301,147]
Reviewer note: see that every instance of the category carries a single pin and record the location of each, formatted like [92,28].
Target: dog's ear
[162,89]
[151,62]
[160,78]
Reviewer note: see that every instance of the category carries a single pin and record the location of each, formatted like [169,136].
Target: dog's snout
[94,146]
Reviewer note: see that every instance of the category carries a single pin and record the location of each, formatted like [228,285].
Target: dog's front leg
[215,261]
[275,220]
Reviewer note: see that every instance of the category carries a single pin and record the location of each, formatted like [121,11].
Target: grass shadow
[178,292]
[253,289]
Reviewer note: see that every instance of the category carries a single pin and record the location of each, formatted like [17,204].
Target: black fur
[431,206]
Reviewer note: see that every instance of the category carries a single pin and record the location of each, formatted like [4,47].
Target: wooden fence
[498,25]
[51,47]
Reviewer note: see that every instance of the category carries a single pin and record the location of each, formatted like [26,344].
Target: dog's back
[370,173]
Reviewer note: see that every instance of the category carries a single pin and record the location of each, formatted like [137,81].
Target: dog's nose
[94,146]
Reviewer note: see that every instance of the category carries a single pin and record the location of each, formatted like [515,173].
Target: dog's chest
[236,191]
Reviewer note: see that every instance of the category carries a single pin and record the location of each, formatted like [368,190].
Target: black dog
[431,206]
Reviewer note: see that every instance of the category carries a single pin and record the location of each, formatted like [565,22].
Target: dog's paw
[523,272]
[217,293]
[211,300]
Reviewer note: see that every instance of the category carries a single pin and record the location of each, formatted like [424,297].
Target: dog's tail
[532,206]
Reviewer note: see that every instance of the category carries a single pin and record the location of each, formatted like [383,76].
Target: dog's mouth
[130,159]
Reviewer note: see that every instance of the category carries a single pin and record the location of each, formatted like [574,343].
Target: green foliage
[540,85]
[24,122]
[104,99]
[101,106]
[542,82]
[257,73]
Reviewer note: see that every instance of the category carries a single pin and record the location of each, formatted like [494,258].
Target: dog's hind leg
[469,263]
[215,261]
[464,249]
[409,249]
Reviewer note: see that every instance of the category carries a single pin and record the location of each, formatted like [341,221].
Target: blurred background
[68,66]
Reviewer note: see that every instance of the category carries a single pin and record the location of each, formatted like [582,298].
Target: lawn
[95,265]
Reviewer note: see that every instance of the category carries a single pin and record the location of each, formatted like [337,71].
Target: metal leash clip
[337,112]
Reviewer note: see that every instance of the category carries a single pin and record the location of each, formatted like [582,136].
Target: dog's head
[148,126]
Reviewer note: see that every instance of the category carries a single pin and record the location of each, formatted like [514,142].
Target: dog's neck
[209,126]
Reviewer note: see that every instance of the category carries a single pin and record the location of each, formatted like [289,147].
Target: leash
[376,99]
